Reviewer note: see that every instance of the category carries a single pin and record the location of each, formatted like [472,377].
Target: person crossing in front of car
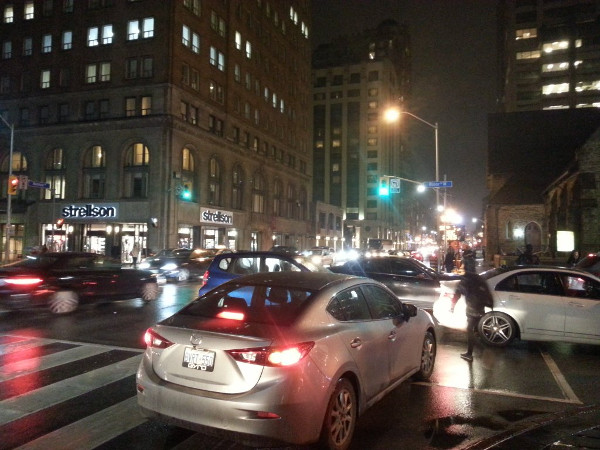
[477,297]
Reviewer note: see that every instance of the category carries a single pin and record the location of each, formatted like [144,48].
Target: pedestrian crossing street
[66,395]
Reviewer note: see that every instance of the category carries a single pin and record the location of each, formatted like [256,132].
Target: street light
[8,196]
[393,115]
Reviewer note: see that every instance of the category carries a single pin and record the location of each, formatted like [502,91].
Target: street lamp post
[8,196]
[392,115]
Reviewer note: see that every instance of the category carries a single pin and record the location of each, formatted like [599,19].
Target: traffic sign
[438,184]
[38,184]
[394,185]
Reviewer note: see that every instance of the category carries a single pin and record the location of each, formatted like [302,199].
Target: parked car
[411,280]
[289,358]
[63,280]
[285,249]
[590,263]
[532,303]
[226,267]
[323,256]
[190,264]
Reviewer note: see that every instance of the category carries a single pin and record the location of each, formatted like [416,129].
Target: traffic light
[384,187]
[13,184]
[186,194]
[59,223]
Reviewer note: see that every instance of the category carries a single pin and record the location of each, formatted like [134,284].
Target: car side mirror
[408,310]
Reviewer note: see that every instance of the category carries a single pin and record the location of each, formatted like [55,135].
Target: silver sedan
[283,358]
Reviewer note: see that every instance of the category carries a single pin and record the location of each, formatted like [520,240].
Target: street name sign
[438,184]
[38,184]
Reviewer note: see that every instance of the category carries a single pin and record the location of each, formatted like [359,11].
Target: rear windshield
[256,304]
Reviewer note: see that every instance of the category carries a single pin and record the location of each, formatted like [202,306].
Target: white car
[534,303]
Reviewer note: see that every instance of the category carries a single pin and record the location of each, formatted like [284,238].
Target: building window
[534,54]
[90,112]
[195,82]
[277,198]
[217,24]
[64,77]
[238,40]
[67,40]
[193,115]
[147,67]
[291,201]
[92,37]
[55,174]
[104,108]
[68,6]
[137,160]
[248,50]
[46,43]
[4,84]
[214,182]
[63,112]
[107,34]
[140,28]
[258,194]
[7,50]
[526,33]
[215,125]
[183,110]
[217,59]
[146,109]
[193,6]
[216,92]
[97,72]
[9,14]
[130,108]
[94,172]
[131,68]
[27,46]
[45,79]
[555,46]
[29,10]
[47,8]
[44,114]
[237,191]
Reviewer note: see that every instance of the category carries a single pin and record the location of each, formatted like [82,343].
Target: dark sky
[454,81]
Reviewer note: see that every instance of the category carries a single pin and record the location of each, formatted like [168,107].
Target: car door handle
[355,343]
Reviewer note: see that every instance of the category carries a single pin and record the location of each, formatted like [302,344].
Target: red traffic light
[59,223]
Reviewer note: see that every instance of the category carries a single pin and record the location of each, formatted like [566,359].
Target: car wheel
[340,417]
[497,329]
[149,292]
[63,302]
[183,275]
[428,353]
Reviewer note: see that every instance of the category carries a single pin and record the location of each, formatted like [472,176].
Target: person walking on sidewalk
[477,297]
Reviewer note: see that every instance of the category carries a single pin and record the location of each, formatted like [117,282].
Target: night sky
[454,82]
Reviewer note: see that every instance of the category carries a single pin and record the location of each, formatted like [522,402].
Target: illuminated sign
[91,211]
[216,216]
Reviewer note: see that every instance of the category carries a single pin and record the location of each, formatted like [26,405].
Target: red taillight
[155,340]
[273,356]
[24,281]
[233,315]
[204,279]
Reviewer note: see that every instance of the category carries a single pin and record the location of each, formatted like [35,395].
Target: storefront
[217,229]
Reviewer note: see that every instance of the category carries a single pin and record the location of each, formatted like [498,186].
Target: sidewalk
[574,428]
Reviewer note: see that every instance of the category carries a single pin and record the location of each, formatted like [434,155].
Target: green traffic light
[186,194]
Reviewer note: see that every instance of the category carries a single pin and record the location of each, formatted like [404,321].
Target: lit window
[185,35]
[67,40]
[92,39]
[9,14]
[555,67]
[46,43]
[91,74]
[592,85]
[28,11]
[248,50]
[133,30]
[105,71]
[550,89]
[148,30]
[107,34]
[526,33]
[550,47]
[238,40]
[146,106]
[45,79]
[529,55]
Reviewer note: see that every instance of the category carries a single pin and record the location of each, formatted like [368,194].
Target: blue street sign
[438,184]
[38,184]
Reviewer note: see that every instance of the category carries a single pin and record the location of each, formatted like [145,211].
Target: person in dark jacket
[469,263]
[477,297]
[528,257]
[449,260]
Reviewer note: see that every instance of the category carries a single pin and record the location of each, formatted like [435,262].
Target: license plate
[198,359]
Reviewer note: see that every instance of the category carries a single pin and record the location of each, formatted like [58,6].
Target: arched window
[187,172]
[291,201]
[55,174]
[19,167]
[278,198]
[258,194]
[94,172]
[214,182]
[135,173]
[237,194]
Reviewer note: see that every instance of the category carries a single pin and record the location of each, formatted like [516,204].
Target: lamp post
[392,115]
[8,196]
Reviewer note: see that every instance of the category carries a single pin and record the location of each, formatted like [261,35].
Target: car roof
[300,280]
[250,254]
[543,268]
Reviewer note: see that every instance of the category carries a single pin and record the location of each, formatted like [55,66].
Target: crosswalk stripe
[92,431]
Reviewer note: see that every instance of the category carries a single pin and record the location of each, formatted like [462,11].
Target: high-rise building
[167,123]
[355,79]
[549,54]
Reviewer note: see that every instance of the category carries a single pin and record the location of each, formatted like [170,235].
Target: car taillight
[204,279]
[273,356]
[24,281]
[155,340]
[232,315]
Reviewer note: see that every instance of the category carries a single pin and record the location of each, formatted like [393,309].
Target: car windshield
[40,261]
[250,303]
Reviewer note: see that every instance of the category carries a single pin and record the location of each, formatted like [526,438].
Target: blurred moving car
[535,303]
[411,280]
[590,263]
[324,256]
[62,280]
[226,267]
[416,255]
[289,358]
[190,264]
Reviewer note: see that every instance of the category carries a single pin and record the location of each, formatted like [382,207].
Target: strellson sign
[216,217]
[91,211]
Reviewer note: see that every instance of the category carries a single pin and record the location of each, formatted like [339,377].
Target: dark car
[411,280]
[285,249]
[226,267]
[590,263]
[62,280]
[183,264]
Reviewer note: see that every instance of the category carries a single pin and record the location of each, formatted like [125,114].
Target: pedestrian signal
[13,184]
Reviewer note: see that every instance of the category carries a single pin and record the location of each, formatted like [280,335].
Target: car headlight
[169,266]
[144,265]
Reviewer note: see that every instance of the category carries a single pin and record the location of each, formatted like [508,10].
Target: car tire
[63,302]
[149,292]
[340,417]
[183,275]
[428,353]
[497,329]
